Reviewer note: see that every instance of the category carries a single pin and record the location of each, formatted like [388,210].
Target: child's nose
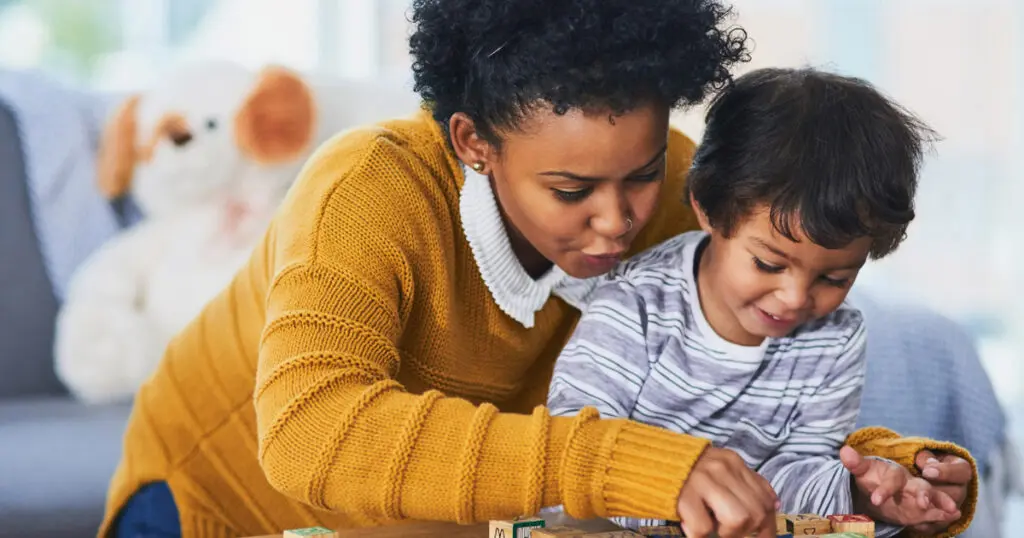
[794,296]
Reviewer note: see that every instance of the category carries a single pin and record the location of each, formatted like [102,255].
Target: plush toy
[207,155]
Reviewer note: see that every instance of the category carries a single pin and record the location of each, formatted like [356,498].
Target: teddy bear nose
[180,139]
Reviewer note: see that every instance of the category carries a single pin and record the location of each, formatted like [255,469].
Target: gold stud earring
[478,166]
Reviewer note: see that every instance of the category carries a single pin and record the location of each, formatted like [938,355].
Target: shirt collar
[516,293]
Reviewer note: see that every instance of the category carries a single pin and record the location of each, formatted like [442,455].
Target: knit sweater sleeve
[339,432]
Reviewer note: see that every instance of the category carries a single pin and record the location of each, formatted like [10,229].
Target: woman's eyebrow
[592,179]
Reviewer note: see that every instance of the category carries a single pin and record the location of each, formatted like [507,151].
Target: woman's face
[577,188]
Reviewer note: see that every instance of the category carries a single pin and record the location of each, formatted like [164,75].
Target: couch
[56,455]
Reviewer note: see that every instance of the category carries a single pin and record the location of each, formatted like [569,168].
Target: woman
[396,329]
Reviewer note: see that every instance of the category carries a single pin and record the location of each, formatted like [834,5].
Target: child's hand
[722,497]
[887,492]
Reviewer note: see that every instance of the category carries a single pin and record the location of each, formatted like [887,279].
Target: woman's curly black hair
[496,60]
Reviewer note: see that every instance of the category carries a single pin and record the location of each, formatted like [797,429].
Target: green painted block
[516,528]
[311,531]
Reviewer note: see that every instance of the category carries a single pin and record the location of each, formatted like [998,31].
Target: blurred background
[959,64]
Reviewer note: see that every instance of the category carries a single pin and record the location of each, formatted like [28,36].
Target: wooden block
[311,532]
[780,525]
[661,531]
[807,525]
[857,523]
[559,531]
[515,528]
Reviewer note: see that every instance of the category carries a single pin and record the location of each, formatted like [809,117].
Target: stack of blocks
[788,526]
[535,528]
[836,526]
[515,528]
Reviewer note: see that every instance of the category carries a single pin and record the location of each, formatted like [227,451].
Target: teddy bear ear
[116,157]
[277,120]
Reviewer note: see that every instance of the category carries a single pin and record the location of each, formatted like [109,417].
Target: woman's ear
[702,217]
[117,155]
[277,122]
[470,146]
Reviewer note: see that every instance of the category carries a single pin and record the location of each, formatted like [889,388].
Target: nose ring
[629,224]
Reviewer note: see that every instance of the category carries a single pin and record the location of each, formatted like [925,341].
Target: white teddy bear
[208,155]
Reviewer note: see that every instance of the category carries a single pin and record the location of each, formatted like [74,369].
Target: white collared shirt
[517,294]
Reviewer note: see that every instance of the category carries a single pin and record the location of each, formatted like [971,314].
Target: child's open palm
[886,491]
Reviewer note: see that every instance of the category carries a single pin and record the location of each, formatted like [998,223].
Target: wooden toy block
[311,532]
[780,525]
[661,531]
[558,531]
[515,528]
[807,524]
[857,523]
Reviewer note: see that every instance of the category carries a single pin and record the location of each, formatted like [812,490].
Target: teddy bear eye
[211,124]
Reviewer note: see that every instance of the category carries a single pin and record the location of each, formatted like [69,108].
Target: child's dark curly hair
[830,155]
[496,60]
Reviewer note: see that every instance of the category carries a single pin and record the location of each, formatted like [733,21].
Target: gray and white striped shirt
[644,350]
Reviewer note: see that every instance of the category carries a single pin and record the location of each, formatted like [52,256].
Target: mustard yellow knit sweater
[357,371]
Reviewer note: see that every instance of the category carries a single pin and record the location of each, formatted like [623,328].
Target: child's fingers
[918,488]
[942,500]
[930,496]
[855,463]
[892,480]
[937,515]
[923,502]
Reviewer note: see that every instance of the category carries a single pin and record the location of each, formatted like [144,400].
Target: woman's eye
[647,178]
[572,196]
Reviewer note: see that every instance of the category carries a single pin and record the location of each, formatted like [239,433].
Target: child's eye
[766,268]
[836,282]
[572,196]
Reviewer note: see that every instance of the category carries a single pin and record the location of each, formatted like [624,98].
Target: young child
[739,333]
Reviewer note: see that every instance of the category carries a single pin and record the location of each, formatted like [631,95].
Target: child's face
[758,283]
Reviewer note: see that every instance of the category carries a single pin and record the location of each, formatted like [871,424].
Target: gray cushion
[57,460]
[28,306]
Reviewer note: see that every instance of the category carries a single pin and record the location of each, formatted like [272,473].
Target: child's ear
[702,218]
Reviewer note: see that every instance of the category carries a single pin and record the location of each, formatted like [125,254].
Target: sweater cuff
[885,443]
[618,467]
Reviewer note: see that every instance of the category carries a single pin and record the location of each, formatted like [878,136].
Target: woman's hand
[723,497]
[947,473]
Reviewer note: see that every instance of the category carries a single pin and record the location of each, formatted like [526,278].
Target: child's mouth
[774,320]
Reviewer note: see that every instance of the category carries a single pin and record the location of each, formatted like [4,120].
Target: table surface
[451,530]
